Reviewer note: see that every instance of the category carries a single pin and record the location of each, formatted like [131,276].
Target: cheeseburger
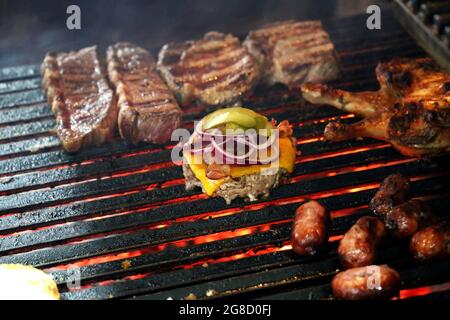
[236,152]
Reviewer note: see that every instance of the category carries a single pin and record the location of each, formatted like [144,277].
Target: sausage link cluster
[411,219]
[396,214]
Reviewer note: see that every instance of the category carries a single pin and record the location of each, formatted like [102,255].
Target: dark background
[28,29]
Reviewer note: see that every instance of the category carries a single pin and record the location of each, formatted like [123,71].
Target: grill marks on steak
[148,110]
[292,52]
[216,70]
[84,105]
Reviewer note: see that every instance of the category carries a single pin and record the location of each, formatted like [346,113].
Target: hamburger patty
[250,186]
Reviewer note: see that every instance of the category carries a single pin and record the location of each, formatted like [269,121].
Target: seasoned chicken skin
[411,109]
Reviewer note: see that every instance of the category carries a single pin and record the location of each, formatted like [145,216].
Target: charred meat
[77,90]
[404,220]
[411,110]
[216,70]
[148,111]
[402,217]
[293,52]
[392,192]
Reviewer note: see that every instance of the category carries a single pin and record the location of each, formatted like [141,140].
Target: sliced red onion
[231,158]
[267,144]
[246,139]
[202,149]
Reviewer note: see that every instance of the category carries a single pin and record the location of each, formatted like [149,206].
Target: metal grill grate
[121,214]
[428,21]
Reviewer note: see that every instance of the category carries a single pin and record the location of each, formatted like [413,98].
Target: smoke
[31,28]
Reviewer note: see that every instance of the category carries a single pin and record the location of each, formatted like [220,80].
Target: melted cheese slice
[286,161]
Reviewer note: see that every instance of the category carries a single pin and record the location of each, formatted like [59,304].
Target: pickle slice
[236,118]
[233,128]
[263,123]
[234,115]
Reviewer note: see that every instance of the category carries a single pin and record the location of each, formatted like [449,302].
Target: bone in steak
[148,111]
[215,70]
[84,105]
[411,110]
[292,52]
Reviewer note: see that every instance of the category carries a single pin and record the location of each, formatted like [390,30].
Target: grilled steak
[148,110]
[292,52]
[411,110]
[216,70]
[84,105]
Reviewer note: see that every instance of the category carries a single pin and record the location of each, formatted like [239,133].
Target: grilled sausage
[370,282]
[359,245]
[431,243]
[393,191]
[406,219]
[310,229]
[402,217]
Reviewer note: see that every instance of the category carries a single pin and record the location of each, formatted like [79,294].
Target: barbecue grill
[118,219]
[428,21]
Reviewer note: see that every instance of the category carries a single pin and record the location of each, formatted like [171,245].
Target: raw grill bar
[126,208]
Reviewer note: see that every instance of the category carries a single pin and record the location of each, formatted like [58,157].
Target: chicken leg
[411,109]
